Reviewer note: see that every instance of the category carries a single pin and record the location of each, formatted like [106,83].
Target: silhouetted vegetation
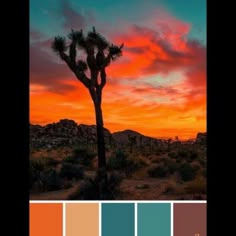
[99,54]
[89,189]
[80,156]
[117,161]
[71,171]
[187,172]
[42,176]
[51,180]
[158,171]
[175,172]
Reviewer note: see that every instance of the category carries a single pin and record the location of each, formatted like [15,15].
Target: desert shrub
[132,165]
[82,156]
[49,162]
[71,171]
[89,189]
[79,151]
[43,163]
[172,154]
[51,180]
[179,161]
[158,171]
[202,162]
[170,187]
[204,172]
[120,161]
[91,154]
[121,155]
[107,147]
[193,155]
[182,153]
[117,161]
[37,164]
[196,186]
[70,159]
[172,167]
[187,172]
[138,162]
[67,184]
[167,161]
[115,164]
[196,166]
[89,158]
[33,176]
[157,152]
[156,160]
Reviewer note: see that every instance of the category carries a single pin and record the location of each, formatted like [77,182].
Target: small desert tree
[98,53]
[132,142]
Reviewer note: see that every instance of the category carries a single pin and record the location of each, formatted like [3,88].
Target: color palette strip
[119,218]
[45,219]
[190,219]
[82,219]
[154,219]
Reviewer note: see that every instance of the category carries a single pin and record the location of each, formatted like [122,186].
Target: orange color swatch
[82,219]
[45,219]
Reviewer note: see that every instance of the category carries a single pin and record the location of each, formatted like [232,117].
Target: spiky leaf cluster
[115,51]
[59,44]
[97,39]
[88,43]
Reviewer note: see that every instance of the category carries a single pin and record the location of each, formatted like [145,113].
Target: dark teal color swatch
[154,219]
[117,219]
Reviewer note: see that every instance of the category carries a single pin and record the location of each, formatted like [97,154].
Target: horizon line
[155,137]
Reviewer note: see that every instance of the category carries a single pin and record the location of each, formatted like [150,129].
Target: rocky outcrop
[68,133]
[63,133]
[201,138]
[130,136]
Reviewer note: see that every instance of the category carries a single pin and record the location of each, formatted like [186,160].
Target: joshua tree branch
[81,76]
[107,61]
[67,59]
[73,52]
[103,78]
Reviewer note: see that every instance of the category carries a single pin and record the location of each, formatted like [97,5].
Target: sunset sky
[158,86]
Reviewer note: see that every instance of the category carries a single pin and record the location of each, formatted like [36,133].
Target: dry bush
[158,171]
[196,186]
[138,161]
[170,186]
[89,189]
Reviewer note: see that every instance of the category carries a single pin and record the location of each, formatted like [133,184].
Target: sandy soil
[130,189]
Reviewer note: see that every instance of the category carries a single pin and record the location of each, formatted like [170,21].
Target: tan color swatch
[82,219]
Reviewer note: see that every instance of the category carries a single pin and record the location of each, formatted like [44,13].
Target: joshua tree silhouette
[99,54]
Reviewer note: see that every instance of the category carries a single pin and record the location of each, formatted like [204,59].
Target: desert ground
[168,171]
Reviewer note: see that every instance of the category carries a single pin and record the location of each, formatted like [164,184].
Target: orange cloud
[157,88]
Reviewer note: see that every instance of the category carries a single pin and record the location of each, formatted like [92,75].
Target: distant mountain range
[68,132]
[127,136]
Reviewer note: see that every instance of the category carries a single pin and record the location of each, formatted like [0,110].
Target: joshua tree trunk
[100,136]
[96,94]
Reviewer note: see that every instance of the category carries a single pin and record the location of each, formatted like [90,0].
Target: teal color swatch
[117,219]
[154,219]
